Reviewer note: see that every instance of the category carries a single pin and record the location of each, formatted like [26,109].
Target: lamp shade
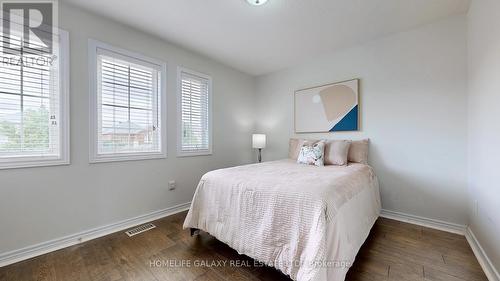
[259,141]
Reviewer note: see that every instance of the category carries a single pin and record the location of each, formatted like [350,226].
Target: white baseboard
[488,268]
[430,223]
[70,240]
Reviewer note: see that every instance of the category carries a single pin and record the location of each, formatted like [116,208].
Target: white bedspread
[307,221]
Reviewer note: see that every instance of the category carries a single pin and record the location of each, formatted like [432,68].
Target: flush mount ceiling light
[256,2]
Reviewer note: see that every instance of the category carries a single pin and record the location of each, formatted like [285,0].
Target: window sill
[193,153]
[33,163]
[126,157]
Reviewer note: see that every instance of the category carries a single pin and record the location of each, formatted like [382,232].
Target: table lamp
[259,142]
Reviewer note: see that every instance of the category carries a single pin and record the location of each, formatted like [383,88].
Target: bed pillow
[312,154]
[336,152]
[294,146]
[358,151]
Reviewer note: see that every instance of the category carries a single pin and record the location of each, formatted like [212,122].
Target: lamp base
[260,155]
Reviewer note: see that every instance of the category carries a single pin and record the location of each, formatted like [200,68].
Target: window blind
[30,101]
[128,105]
[194,111]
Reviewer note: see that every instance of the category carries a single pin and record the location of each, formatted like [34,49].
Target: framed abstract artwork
[329,108]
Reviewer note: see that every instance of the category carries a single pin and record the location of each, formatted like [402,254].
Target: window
[34,102]
[194,109]
[127,105]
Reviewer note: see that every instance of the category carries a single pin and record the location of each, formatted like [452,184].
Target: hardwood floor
[394,251]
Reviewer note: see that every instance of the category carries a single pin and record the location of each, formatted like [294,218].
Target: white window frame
[94,157]
[64,120]
[181,153]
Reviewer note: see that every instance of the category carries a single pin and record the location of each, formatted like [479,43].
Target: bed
[307,221]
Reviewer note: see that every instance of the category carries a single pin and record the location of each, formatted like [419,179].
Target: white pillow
[294,146]
[312,154]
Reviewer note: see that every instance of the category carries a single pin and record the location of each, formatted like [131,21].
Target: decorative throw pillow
[312,154]
[358,151]
[336,152]
[294,146]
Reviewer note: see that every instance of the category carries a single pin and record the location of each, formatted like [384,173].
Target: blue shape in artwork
[348,123]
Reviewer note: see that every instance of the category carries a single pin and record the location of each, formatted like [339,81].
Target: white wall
[413,108]
[484,124]
[40,204]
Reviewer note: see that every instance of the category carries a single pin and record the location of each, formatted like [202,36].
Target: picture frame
[327,108]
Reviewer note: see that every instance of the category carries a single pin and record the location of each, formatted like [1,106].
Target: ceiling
[279,34]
